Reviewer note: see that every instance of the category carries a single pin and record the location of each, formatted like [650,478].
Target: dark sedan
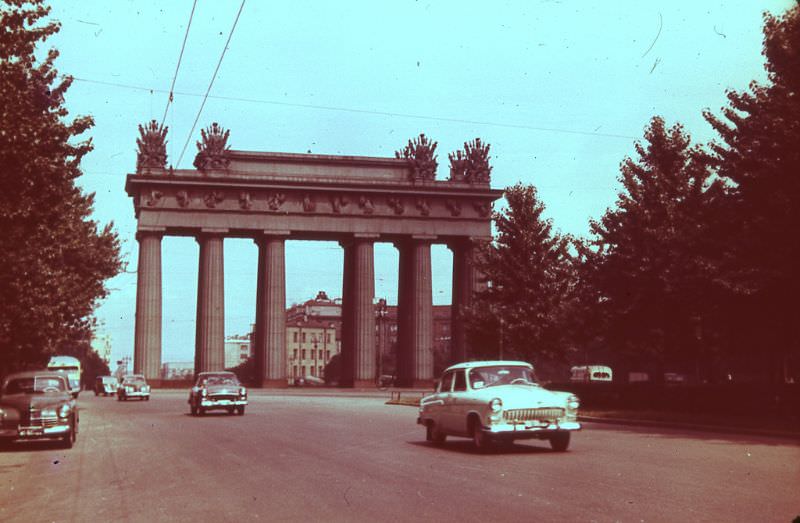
[217,390]
[37,405]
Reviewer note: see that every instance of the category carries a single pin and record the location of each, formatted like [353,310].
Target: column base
[274,384]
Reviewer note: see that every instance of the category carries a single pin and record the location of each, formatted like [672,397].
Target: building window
[327,355]
[294,337]
[294,371]
[320,371]
[313,371]
[328,337]
[302,371]
[294,354]
[304,337]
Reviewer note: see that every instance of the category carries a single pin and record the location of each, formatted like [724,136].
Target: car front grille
[548,414]
[37,420]
[223,397]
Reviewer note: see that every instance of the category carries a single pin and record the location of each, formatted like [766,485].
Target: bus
[591,373]
[71,367]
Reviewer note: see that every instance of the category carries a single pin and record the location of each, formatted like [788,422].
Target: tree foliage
[530,281]
[54,258]
[760,158]
[651,261]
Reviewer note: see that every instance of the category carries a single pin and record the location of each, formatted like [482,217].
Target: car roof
[217,373]
[34,373]
[489,363]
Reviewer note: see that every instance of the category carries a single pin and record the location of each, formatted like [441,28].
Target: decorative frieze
[423,207]
[454,206]
[366,205]
[275,200]
[183,199]
[153,197]
[213,199]
[396,204]
[245,200]
[309,205]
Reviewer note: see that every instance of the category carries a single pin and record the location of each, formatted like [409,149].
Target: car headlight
[63,411]
[243,392]
[573,402]
[496,405]
[146,388]
[203,392]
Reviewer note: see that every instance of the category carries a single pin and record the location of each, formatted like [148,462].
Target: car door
[457,405]
[439,406]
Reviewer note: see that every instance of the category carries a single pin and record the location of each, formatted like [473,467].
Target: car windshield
[134,381]
[109,380]
[220,380]
[482,377]
[37,384]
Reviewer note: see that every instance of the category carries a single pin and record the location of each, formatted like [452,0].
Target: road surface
[323,457]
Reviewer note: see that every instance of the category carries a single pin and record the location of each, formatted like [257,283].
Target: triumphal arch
[273,197]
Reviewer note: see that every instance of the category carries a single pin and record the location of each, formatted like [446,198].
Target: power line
[367,111]
[180,57]
[213,77]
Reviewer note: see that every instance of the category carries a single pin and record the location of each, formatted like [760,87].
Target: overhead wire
[178,66]
[369,111]
[211,83]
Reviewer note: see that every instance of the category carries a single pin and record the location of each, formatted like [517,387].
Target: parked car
[133,386]
[38,405]
[217,390]
[590,374]
[309,381]
[105,385]
[497,402]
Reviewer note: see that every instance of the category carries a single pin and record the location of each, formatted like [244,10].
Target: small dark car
[38,405]
[105,385]
[133,386]
[217,390]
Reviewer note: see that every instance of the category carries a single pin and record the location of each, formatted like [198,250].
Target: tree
[760,158]
[54,258]
[652,262]
[530,280]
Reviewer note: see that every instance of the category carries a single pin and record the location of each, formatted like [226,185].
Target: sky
[560,89]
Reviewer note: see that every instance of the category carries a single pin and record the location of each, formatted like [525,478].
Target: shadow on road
[466,447]
[694,434]
[32,446]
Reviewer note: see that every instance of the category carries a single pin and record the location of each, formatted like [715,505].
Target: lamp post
[381,311]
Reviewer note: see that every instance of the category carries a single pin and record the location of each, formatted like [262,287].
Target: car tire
[240,410]
[68,440]
[481,440]
[147,398]
[434,435]
[192,409]
[559,441]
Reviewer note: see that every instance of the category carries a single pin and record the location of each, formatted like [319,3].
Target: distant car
[217,390]
[309,381]
[38,405]
[591,373]
[497,402]
[133,386]
[105,385]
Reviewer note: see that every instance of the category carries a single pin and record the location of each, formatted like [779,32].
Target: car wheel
[559,441]
[434,435]
[192,409]
[119,397]
[68,439]
[480,439]
[147,398]
[240,410]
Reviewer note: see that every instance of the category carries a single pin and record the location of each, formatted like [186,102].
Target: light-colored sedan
[497,402]
[133,386]
[217,390]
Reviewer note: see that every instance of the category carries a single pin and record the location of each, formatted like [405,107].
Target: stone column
[464,286]
[270,335]
[415,314]
[358,312]
[210,337]
[147,336]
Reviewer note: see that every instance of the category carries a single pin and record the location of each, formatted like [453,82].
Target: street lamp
[381,311]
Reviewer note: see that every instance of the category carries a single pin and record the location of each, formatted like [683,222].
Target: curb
[692,426]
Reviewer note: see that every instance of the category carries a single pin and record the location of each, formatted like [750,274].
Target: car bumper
[34,432]
[136,394]
[209,403]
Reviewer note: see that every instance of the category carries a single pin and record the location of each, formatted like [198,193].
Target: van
[590,373]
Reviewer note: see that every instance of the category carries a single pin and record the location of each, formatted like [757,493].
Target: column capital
[212,231]
[265,236]
[359,238]
[150,232]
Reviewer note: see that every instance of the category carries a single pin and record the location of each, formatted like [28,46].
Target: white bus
[586,373]
[69,366]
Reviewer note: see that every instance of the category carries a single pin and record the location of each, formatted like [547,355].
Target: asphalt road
[334,458]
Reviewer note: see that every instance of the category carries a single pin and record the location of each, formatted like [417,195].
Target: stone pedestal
[210,337]
[147,336]
[358,314]
[270,332]
[415,313]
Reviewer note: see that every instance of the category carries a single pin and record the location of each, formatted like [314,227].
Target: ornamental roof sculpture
[477,168]
[152,144]
[420,154]
[458,166]
[212,149]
